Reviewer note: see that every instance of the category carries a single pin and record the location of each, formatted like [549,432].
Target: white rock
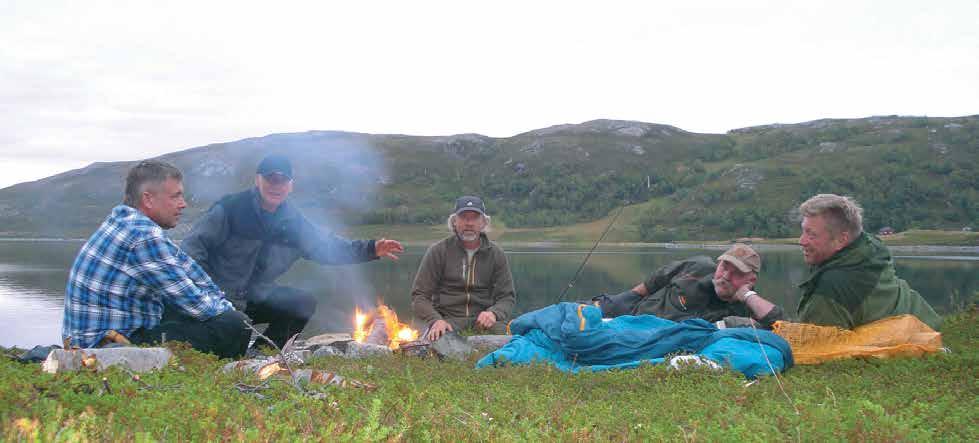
[135,359]
[326,339]
[362,350]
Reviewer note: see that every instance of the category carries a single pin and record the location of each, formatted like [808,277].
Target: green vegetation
[938,238]
[907,172]
[932,398]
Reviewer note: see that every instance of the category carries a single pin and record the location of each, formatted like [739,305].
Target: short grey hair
[842,213]
[448,222]
[145,174]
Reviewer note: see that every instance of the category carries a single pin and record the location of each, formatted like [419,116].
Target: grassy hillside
[564,181]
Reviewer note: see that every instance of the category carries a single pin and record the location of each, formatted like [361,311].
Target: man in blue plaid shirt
[130,278]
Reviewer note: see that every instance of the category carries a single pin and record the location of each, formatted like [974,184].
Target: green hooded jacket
[858,285]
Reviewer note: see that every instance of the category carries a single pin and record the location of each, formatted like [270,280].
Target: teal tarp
[573,337]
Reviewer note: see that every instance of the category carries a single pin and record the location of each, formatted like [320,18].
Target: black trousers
[285,309]
[224,335]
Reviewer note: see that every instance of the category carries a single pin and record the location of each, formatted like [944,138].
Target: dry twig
[282,354]
[144,385]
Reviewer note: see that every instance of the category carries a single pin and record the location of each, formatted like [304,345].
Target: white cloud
[107,81]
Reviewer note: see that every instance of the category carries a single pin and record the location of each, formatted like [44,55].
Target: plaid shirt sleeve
[159,264]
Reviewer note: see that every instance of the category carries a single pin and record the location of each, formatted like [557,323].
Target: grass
[933,398]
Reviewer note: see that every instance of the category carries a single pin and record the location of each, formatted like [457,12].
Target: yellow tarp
[900,336]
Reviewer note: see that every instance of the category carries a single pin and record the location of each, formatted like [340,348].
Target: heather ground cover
[933,398]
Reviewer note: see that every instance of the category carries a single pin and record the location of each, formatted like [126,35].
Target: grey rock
[327,339]
[638,150]
[363,350]
[326,351]
[533,148]
[488,342]
[745,177]
[633,131]
[617,127]
[213,168]
[134,359]
[452,345]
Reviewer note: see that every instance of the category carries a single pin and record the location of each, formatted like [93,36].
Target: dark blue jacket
[244,251]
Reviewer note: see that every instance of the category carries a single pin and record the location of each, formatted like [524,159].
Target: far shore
[769,245]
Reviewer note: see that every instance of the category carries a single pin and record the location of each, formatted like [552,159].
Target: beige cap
[742,257]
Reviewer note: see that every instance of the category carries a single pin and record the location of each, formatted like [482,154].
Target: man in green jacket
[464,281]
[851,278]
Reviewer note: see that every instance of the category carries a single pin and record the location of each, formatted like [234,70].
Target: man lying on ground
[699,288]
[851,278]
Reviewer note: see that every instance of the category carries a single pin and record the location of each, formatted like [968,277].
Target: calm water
[33,274]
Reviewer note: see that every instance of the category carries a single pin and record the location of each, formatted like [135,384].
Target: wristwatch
[744,299]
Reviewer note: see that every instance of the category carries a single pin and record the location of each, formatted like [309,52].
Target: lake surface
[33,276]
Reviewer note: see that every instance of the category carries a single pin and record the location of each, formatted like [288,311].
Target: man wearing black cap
[464,281]
[247,240]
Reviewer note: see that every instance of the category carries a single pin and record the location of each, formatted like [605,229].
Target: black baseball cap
[275,164]
[470,203]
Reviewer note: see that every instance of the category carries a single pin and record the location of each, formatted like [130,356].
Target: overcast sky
[88,81]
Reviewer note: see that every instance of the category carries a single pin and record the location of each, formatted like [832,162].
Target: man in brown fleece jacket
[464,281]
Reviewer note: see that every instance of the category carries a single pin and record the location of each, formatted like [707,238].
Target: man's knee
[305,303]
[231,324]
[295,303]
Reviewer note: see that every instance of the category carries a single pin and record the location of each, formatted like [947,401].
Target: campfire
[381,327]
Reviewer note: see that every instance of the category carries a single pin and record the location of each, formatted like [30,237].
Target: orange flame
[397,332]
[360,326]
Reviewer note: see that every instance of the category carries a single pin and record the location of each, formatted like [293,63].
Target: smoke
[337,178]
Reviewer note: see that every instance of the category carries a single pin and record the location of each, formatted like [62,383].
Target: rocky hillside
[907,171]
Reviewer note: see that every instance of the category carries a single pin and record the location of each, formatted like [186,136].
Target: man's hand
[733,321]
[486,319]
[387,248]
[739,295]
[438,328]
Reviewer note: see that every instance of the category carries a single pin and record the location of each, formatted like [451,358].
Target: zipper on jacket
[470,281]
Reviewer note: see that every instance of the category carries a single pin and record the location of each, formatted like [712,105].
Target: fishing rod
[582,266]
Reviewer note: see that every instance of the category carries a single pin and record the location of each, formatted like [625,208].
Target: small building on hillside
[886,230]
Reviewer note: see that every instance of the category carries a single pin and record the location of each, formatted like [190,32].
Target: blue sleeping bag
[573,337]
